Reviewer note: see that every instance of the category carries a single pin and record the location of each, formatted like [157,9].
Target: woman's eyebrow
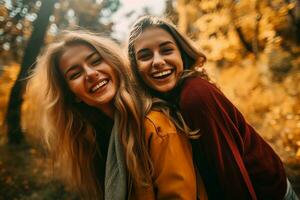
[166,43]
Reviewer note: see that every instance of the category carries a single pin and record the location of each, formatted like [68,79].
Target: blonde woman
[100,127]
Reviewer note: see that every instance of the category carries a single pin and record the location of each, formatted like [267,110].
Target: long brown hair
[69,133]
[193,61]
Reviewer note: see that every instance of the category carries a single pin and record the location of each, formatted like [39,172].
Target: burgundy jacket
[233,160]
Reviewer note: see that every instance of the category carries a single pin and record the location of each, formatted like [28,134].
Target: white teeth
[96,87]
[163,73]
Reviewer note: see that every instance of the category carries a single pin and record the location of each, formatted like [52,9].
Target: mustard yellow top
[174,176]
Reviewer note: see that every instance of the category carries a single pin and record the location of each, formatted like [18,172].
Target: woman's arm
[171,155]
[206,108]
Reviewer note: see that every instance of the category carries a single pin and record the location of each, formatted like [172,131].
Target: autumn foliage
[253,49]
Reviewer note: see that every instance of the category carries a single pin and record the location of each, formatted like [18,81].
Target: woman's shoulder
[158,123]
[198,91]
[198,84]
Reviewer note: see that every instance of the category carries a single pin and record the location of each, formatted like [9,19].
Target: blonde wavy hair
[69,132]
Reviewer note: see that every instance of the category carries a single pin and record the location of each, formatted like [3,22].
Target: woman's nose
[158,60]
[91,74]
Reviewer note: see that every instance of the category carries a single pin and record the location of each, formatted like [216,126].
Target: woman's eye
[144,56]
[74,75]
[167,50]
[96,62]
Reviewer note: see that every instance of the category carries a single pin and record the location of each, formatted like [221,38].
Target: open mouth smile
[99,85]
[162,74]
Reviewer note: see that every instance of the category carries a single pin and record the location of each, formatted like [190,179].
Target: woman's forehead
[153,36]
[75,54]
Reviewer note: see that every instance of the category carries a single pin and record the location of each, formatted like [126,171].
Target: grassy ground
[25,175]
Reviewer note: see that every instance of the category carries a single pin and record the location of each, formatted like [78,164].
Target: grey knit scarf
[115,170]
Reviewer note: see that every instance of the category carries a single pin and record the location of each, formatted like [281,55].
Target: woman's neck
[108,110]
[170,96]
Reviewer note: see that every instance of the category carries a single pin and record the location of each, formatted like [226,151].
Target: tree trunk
[36,41]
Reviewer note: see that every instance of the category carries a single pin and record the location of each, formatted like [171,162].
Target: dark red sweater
[225,131]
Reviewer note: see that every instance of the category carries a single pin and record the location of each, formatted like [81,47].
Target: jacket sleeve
[205,107]
[171,154]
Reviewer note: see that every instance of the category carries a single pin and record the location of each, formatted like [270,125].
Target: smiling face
[158,59]
[88,76]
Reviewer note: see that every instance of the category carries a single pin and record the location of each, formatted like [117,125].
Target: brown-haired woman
[233,160]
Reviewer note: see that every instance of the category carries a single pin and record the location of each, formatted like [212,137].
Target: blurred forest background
[253,49]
